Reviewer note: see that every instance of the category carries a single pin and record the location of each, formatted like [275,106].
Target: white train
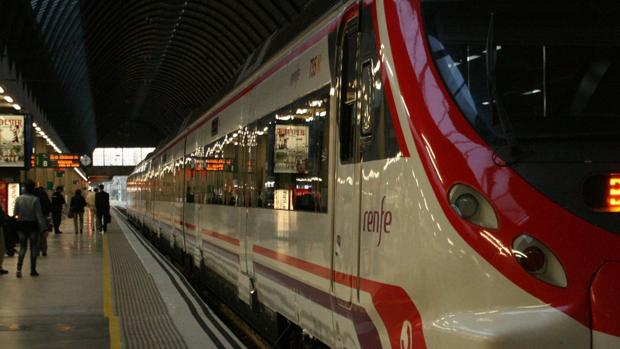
[412,174]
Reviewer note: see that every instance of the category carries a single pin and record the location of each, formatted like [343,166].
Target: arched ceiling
[130,72]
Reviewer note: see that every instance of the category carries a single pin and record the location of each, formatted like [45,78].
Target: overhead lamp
[1,89]
[34,124]
[17,106]
[81,174]
[8,99]
[37,128]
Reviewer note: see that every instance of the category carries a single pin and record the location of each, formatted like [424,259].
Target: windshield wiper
[497,106]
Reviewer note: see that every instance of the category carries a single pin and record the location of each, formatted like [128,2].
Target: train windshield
[556,65]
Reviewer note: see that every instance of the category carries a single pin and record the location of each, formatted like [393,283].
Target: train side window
[347,97]
[290,159]
[379,139]
[262,179]
[366,98]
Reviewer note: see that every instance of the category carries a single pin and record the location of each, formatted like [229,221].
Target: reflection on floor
[63,307]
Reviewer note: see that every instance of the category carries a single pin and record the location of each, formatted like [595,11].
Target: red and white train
[413,174]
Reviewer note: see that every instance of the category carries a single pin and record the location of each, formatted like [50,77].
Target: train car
[412,174]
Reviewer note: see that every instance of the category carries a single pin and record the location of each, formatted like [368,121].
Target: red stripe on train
[221,237]
[391,302]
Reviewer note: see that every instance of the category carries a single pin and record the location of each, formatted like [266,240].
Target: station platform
[110,290]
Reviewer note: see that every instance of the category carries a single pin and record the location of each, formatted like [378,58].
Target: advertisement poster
[291,151]
[12,197]
[11,140]
[281,199]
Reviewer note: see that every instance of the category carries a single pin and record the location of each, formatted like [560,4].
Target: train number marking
[315,66]
[295,75]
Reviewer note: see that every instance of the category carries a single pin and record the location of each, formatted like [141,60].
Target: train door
[347,184]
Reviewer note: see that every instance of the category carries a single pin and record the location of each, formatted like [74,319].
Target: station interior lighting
[42,133]
[10,99]
[81,173]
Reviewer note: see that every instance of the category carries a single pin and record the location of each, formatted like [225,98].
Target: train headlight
[532,259]
[466,205]
[472,206]
[538,260]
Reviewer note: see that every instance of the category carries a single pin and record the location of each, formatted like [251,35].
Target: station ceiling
[131,72]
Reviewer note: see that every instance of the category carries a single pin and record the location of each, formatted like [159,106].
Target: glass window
[120,156]
[348,89]
[280,161]
[556,66]
[98,157]
[292,156]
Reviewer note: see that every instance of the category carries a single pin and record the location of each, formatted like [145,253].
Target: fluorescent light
[534,91]
[79,172]
[8,99]
[17,106]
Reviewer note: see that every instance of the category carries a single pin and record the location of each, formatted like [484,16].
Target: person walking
[76,208]
[90,201]
[46,207]
[30,224]
[58,201]
[102,205]
[3,224]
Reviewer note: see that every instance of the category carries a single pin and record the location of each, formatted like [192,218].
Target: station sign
[57,160]
[219,165]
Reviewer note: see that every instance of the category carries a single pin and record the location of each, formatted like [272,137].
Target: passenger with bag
[76,210]
[30,224]
[102,204]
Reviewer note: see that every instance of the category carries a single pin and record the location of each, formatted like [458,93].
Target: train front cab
[507,116]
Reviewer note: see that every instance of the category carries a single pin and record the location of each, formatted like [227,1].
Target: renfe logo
[377,221]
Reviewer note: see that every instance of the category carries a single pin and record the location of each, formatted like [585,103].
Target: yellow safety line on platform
[108,310]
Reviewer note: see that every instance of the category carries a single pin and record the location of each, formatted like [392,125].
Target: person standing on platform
[30,224]
[46,207]
[76,208]
[102,204]
[3,224]
[90,201]
[58,201]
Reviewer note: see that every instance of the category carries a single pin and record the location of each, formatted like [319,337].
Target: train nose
[605,302]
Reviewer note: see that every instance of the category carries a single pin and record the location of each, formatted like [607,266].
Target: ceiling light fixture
[8,99]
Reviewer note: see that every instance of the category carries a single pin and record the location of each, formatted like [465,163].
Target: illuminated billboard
[11,141]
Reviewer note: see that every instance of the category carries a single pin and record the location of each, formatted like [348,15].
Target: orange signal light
[613,197]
